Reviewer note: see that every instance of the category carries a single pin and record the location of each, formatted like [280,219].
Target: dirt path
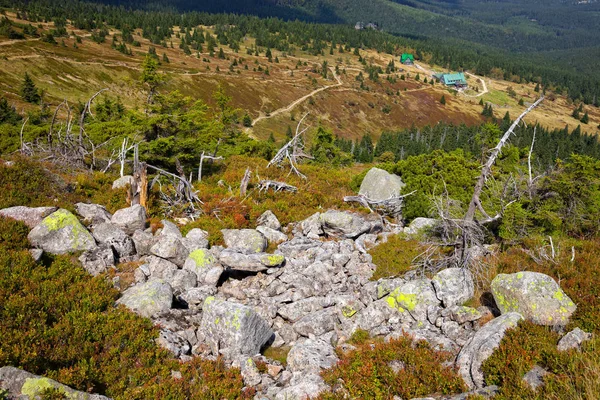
[300,100]
[485,89]
[15,41]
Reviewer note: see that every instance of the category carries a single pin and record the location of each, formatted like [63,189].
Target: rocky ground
[309,295]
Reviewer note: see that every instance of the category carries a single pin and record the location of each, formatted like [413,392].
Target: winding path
[485,89]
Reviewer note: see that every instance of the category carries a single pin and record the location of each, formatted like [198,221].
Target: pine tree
[165,58]
[221,53]
[29,92]
[443,100]
[521,102]
[269,55]
[247,121]
[537,87]
[585,118]
[575,113]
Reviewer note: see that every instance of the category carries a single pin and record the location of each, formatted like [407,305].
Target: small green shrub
[13,234]
[394,257]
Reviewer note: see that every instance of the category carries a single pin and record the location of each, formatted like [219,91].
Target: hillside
[295,84]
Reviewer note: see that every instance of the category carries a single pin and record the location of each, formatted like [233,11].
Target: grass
[395,257]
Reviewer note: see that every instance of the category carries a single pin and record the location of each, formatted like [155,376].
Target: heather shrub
[13,234]
[395,257]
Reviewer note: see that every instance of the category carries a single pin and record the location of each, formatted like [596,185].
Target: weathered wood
[245,182]
[276,186]
[292,151]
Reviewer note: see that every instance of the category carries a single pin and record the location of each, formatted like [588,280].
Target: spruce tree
[585,119]
[29,92]
[443,100]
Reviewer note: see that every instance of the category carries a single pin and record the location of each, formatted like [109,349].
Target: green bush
[13,234]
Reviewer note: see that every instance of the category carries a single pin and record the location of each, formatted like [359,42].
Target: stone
[343,224]
[61,233]
[30,216]
[419,224]
[123,182]
[535,377]
[307,389]
[183,280]
[379,185]
[143,242]
[269,220]
[160,268]
[93,214]
[415,297]
[317,323]
[98,260]
[174,343]
[272,235]
[36,254]
[152,297]
[254,262]
[481,346]
[462,314]
[170,229]
[233,329]
[195,297]
[311,226]
[25,385]
[311,356]
[534,295]
[130,219]
[573,339]
[200,261]
[249,371]
[196,239]
[110,234]
[170,248]
[454,286]
[249,240]
[292,312]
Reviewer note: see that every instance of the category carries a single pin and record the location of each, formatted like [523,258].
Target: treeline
[549,145]
[157,26]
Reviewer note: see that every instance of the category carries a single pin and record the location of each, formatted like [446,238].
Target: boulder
[535,377]
[170,229]
[534,295]
[415,297]
[200,262]
[311,356]
[110,234]
[245,239]
[316,324]
[123,182]
[380,185]
[130,219]
[233,329]
[30,216]
[254,262]
[481,346]
[93,214]
[343,224]
[98,260]
[269,220]
[195,239]
[272,235]
[36,254]
[24,385]
[61,233]
[170,248]
[143,242]
[573,339]
[149,298]
[453,286]
[419,224]
[174,343]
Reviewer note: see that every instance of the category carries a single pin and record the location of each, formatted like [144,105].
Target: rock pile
[310,295]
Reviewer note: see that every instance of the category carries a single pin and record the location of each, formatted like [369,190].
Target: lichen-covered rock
[233,329]
[200,262]
[254,262]
[30,216]
[419,224]
[380,185]
[130,219]
[174,343]
[159,268]
[149,298]
[61,233]
[170,248]
[415,297]
[123,182]
[195,239]
[25,385]
[311,356]
[98,260]
[462,314]
[272,235]
[481,346]
[453,286]
[269,220]
[343,224]
[93,214]
[534,295]
[316,324]
[245,239]
[143,242]
[110,234]
[573,339]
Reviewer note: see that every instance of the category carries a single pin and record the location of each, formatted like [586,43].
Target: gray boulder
[272,235]
[123,182]
[196,239]
[454,286]
[415,297]
[30,216]
[170,248]
[159,268]
[130,219]
[481,346]
[93,214]
[143,242]
[343,224]
[380,185]
[269,220]
[98,260]
[110,234]
[174,343]
[573,339]
[201,262]
[24,385]
[149,298]
[317,323]
[233,329]
[534,295]
[419,224]
[36,254]
[311,357]
[170,229]
[61,233]
[245,239]
[535,377]
[254,262]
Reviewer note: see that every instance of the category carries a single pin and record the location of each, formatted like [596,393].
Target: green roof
[451,79]
[407,56]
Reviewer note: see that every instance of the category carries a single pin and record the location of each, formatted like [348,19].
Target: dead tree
[276,186]
[292,151]
[206,157]
[245,182]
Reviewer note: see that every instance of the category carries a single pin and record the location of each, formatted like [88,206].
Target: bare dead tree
[125,148]
[245,182]
[87,110]
[292,151]
[206,157]
[184,192]
[24,147]
[276,186]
